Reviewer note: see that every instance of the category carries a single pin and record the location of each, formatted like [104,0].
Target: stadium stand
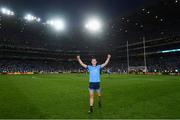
[31,47]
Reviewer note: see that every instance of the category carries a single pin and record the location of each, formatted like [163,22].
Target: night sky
[76,9]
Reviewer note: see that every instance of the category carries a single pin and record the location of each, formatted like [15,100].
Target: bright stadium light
[93,25]
[30,17]
[58,24]
[6,11]
[38,19]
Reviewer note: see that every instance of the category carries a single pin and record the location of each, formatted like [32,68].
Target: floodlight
[58,24]
[93,25]
[6,11]
[38,19]
[30,17]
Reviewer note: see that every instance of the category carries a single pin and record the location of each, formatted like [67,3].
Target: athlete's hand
[78,57]
[109,56]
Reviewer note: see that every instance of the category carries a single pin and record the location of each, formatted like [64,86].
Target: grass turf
[66,96]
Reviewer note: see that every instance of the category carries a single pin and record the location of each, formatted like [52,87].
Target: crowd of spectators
[37,66]
[165,63]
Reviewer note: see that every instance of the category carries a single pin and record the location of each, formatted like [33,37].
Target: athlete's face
[94,62]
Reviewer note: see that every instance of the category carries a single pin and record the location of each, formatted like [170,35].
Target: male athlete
[94,79]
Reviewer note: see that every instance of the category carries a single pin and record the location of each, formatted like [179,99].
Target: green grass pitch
[66,96]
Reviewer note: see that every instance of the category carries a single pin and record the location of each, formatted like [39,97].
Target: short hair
[93,58]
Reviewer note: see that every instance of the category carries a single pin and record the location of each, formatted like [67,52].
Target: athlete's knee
[98,93]
[91,95]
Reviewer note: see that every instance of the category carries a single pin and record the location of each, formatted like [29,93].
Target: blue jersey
[94,73]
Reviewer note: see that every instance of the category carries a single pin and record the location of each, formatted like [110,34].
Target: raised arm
[80,62]
[106,62]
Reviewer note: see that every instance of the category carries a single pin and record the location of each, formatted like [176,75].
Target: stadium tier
[32,46]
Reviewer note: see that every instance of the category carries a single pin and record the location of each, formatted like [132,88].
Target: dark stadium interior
[33,47]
